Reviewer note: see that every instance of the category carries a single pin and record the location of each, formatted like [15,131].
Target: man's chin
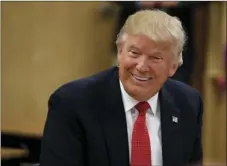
[139,93]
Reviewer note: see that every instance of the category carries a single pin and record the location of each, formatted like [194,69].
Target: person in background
[132,114]
[184,11]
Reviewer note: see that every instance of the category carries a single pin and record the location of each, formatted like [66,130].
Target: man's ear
[121,43]
[173,69]
[119,48]
[175,65]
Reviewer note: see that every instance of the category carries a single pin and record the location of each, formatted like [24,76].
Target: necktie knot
[142,107]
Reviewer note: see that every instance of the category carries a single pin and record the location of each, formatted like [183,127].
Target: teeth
[141,78]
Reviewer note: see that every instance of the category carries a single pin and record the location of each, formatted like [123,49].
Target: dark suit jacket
[86,124]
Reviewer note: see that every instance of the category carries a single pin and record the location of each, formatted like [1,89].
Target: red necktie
[141,151]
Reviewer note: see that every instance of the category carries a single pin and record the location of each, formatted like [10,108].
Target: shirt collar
[129,102]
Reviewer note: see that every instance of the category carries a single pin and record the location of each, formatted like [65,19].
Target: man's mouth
[141,78]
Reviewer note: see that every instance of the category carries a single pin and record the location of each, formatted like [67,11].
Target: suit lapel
[171,130]
[113,121]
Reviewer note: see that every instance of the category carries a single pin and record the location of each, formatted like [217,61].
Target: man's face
[144,65]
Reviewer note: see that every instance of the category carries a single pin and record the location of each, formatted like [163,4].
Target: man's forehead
[143,39]
[152,47]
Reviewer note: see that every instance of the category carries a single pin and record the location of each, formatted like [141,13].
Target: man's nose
[142,64]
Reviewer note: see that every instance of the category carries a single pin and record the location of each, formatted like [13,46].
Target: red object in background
[221,82]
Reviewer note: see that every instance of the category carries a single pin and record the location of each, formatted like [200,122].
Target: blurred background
[46,44]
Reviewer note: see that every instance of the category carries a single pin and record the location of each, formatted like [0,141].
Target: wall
[45,44]
[215,102]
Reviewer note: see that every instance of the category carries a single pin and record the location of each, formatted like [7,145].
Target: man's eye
[134,52]
[156,58]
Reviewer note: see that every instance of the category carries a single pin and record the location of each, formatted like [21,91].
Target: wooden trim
[201,27]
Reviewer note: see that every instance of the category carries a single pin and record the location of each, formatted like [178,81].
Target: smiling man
[133,114]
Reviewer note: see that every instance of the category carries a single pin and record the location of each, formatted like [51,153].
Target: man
[132,114]
[185,11]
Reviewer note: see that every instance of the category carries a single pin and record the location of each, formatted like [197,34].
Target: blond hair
[158,26]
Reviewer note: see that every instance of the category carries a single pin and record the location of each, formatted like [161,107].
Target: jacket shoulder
[84,86]
[185,97]
[179,88]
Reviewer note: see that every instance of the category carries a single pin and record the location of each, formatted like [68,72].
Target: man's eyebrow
[155,52]
[134,47]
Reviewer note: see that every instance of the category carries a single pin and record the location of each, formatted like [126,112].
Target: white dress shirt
[152,122]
